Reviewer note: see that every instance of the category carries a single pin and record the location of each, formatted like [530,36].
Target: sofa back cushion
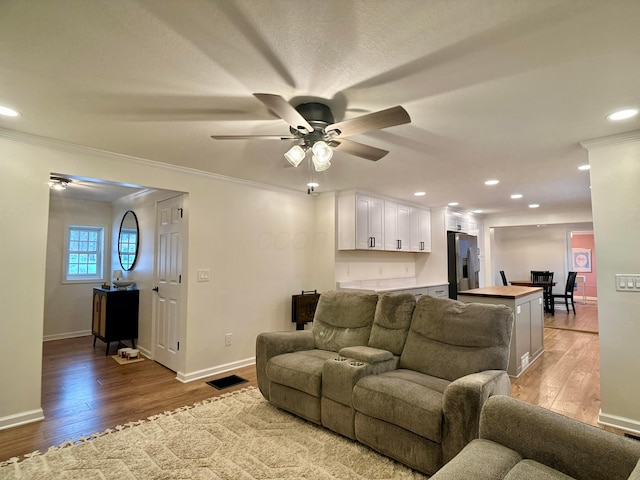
[343,319]
[391,321]
[450,339]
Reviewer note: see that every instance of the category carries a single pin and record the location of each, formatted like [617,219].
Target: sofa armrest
[366,354]
[574,448]
[270,344]
[463,402]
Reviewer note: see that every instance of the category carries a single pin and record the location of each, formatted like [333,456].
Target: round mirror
[128,240]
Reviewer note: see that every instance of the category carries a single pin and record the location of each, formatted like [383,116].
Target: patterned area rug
[237,436]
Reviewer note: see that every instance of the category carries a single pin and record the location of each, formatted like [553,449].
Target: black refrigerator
[463,262]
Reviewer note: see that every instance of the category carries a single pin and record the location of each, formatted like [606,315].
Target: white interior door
[167,309]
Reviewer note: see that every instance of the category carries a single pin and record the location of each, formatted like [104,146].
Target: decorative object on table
[235,435]
[581,259]
[119,282]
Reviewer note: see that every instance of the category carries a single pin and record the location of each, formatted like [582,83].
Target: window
[84,255]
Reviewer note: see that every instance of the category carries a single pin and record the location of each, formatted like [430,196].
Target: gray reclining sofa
[523,441]
[406,378]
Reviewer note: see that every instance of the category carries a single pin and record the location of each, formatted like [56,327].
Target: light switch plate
[203,275]
[628,282]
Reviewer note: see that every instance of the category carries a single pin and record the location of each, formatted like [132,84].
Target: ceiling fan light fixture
[322,152]
[318,165]
[295,155]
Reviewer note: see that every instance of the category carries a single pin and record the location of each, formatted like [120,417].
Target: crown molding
[611,140]
[73,148]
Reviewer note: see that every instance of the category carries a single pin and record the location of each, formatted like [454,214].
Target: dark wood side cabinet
[115,315]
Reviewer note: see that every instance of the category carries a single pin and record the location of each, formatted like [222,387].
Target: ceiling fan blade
[254,137]
[285,111]
[360,150]
[372,121]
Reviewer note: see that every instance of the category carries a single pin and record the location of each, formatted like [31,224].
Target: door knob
[155,289]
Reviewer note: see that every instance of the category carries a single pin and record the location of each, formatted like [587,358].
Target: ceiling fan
[313,127]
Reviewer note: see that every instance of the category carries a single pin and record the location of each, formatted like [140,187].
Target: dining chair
[568,292]
[535,273]
[544,279]
[504,278]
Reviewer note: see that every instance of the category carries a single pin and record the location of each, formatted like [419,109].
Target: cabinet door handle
[421,245]
[372,242]
[155,289]
[399,244]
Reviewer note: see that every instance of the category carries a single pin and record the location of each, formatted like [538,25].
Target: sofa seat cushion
[408,399]
[299,370]
[532,470]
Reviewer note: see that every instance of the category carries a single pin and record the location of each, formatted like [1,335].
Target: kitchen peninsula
[527,338]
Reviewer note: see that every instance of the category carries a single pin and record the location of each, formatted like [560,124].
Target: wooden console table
[115,315]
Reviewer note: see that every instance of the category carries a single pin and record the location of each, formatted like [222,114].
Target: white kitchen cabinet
[420,230]
[397,219]
[360,222]
[440,291]
[369,223]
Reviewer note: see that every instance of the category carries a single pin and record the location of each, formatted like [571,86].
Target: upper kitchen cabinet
[360,222]
[463,222]
[369,223]
[420,230]
[397,227]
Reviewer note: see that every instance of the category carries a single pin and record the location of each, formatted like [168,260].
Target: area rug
[237,436]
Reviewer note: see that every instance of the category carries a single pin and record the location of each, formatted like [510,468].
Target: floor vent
[226,382]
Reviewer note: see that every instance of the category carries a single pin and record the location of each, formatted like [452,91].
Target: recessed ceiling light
[623,114]
[453,204]
[515,196]
[420,194]
[477,211]
[534,205]
[8,112]
[584,167]
[492,182]
[313,184]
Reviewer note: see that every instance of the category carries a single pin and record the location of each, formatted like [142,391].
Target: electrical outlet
[227,339]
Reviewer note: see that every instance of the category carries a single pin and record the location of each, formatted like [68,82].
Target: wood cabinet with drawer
[115,315]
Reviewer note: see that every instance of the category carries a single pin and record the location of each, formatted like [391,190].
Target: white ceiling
[500,89]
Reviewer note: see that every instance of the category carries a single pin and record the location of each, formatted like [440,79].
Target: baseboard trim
[62,336]
[208,372]
[144,351]
[622,423]
[21,418]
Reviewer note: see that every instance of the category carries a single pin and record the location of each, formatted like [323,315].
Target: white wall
[247,235]
[575,219]
[68,306]
[518,250]
[615,177]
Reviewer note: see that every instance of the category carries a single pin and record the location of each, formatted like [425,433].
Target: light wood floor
[84,391]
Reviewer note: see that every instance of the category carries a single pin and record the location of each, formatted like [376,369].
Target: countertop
[500,291]
[388,285]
